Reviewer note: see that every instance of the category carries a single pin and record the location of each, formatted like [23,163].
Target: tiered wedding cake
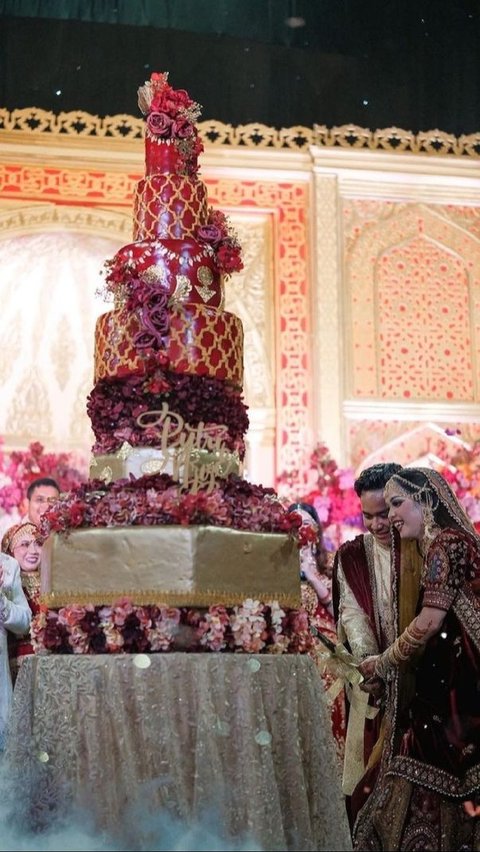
[167,534]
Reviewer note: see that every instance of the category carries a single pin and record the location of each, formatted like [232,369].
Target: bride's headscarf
[432,490]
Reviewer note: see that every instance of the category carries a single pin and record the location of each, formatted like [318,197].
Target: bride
[427,794]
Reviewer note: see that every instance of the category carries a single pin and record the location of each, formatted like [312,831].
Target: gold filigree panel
[125,128]
[65,185]
[414,303]
[288,204]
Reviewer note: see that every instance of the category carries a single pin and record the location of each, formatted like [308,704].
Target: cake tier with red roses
[196,339]
[184,269]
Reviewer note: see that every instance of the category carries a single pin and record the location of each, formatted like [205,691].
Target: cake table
[245,738]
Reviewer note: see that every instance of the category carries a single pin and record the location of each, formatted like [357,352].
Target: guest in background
[316,589]
[375,589]
[15,618]
[427,793]
[23,543]
[41,493]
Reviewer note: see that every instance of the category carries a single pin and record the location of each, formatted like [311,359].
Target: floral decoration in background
[462,471]
[18,468]
[329,488]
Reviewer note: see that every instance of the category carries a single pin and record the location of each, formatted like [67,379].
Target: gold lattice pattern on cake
[201,341]
[169,206]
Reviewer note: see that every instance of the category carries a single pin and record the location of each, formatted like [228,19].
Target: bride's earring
[429,526]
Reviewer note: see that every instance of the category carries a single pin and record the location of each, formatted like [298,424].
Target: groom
[367,574]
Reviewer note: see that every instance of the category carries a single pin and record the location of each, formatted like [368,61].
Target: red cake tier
[169,206]
[185,269]
[200,341]
[162,156]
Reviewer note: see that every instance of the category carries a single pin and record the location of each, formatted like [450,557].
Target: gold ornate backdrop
[360,296]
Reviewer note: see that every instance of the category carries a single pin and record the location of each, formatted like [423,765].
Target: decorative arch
[426,246]
[51,258]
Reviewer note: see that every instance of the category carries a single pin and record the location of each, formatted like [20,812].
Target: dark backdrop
[414,64]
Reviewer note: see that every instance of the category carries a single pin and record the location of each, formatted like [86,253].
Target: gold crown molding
[50,217]
[127,128]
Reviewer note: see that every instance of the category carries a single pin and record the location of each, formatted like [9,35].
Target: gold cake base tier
[169,565]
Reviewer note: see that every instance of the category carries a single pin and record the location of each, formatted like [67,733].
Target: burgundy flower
[156,317]
[209,233]
[228,259]
[182,129]
[160,124]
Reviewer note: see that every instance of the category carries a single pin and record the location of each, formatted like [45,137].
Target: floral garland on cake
[252,627]
[159,499]
[220,235]
[114,407]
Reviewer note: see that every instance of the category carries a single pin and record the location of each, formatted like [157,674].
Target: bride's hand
[367,667]
[375,686]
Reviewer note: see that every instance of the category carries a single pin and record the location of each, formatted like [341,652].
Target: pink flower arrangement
[250,628]
[462,472]
[220,235]
[330,490]
[19,467]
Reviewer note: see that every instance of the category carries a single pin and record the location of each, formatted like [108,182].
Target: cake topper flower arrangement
[171,115]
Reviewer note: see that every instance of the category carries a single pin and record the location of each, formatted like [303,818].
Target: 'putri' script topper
[194,456]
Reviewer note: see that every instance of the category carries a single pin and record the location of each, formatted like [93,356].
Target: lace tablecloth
[245,738]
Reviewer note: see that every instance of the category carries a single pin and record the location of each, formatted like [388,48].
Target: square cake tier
[169,565]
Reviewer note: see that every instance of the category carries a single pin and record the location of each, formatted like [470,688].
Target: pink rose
[71,615]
